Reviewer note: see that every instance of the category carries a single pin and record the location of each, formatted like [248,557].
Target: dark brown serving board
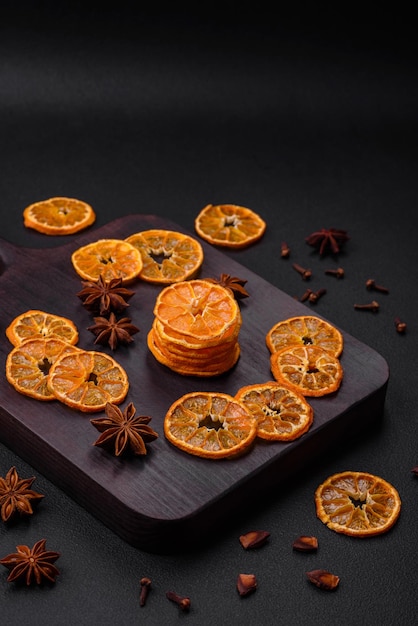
[166,500]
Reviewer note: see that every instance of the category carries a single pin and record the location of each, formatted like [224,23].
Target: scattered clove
[305,273]
[145,584]
[371,286]
[399,325]
[183,602]
[373,306]
[315,295]
[338,273]
[284,250]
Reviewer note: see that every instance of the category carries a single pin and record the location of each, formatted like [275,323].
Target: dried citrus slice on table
[305,330]
[282,414]
[58,216]
[357,503]
[196,328]
[86,380]
[167,256]
[229,225]
[109,258]
[40,324]
[210,424]
[310,370]
[28,366]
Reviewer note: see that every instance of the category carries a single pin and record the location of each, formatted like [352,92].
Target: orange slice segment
[310,370]
[38,324]
[229,225]
[58,216]
[210,425]
[357,504]
[109,258]
[282,414]
[87,380]
[167,256]
[28,366]
[305,330]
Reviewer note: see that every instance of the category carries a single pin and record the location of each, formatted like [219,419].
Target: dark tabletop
[310,120]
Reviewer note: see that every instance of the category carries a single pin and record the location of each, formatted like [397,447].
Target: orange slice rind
[109,258]
[58,216]
[309,370]
[210,425]
[167,256]
[359,504]
[305,330]
[282,414]
[229,225]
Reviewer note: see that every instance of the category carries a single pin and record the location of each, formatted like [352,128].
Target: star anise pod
[123,431]
[16,495]
[105,296]
[32,564]
[328,239]
[233,283]
[113,331]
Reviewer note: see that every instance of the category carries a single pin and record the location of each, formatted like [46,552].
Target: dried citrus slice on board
[229,225]
[40,324]
[58,216]
[305,330]
[196,328]
[210,425]
[109,258]
[86,380]
[167,256]
[28,365]
[357,503]
[310,370]
[282,414]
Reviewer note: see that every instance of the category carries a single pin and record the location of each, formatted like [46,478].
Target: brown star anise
[16,495]
[233,283]
[123,431]
[34,564]
[328,239]
[112,331]
[105,296]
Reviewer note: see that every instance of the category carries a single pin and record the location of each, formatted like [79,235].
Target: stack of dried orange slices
[45,364]
[195,329]
[305,353]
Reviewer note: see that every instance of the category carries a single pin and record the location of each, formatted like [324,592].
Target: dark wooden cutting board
[166,500]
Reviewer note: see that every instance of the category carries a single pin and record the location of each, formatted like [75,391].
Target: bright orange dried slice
[28,365]
[310,370]
[38,324]
[167,256]
[109,258]
[197,308]
[86,380]
[229,225]
[210,425]
[58,216]
[305,330]
[357,504]
[282,414]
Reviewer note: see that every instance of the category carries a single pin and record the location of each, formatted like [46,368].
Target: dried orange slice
[310,370]
[109,258]
[229,225]
[167,256]
[357,504]
[305,330]
[86,380]
[282,414]
[58,216]
[38,324]
[210,425]
[28,365]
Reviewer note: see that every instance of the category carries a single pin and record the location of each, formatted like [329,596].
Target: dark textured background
[309,118]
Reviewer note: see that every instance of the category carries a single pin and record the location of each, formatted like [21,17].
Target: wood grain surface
[168,498]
